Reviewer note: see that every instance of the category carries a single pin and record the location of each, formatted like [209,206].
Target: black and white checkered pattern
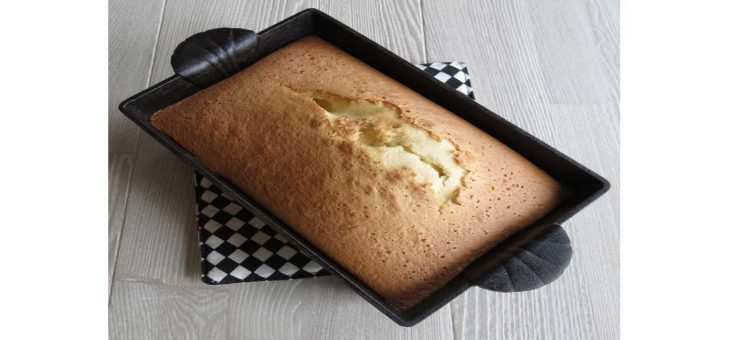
[453,74]
[236,246]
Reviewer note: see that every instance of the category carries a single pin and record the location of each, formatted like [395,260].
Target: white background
[675,234]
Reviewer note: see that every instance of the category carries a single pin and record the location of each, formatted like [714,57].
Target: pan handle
[531,265]
[227,50]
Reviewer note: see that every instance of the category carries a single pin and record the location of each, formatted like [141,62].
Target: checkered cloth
[236,246]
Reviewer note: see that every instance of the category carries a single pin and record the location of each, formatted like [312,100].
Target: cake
[399,191]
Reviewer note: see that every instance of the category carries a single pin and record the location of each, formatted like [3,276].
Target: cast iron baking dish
[208,57]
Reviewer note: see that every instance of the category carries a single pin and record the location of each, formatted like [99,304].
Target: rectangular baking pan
[585,184]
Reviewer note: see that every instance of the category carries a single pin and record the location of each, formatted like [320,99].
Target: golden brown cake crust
[263,130]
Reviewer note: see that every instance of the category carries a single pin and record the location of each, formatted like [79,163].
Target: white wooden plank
[320,308]
[141,310]
[604,26]
[133,27]
[120,171]
[495,40]
[159,243]
[395,25]
[573,67]
[552,68]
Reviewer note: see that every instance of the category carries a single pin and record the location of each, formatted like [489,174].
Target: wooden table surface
[551,67]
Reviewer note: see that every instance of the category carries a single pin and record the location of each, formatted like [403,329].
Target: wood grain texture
[141,310]
[159,243]
[551,68]
[394,24]
[320,308]
[133,27]
[120,172]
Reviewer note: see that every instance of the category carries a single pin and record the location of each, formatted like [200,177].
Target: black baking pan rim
[247,47]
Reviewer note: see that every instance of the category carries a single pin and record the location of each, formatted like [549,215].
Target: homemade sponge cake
[398,190]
